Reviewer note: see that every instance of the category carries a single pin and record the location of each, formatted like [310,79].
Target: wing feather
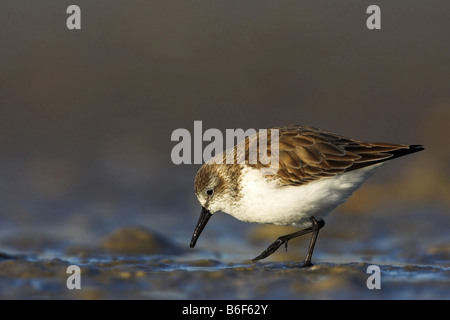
[307,154]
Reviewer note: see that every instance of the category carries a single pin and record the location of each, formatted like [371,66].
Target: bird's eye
[209,192]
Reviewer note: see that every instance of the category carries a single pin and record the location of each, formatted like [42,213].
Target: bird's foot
[272,248]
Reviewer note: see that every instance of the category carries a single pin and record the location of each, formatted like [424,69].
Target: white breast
[263,201]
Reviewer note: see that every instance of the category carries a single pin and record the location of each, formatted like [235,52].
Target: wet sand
[141,263]
[147,278]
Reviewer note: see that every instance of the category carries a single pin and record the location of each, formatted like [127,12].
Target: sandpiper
[317,170]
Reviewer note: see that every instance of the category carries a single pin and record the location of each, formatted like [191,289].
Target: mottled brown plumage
[307,154]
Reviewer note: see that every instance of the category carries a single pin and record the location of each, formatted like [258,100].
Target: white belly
[265,202]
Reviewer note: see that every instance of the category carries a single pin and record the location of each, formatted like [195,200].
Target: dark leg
[284,240]
[315,230]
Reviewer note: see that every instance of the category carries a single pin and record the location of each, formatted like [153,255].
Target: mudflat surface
[137,262]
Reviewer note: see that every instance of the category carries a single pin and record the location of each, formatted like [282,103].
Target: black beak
[204,217]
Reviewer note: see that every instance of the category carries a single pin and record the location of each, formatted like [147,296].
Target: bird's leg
[284,239]
[316,226]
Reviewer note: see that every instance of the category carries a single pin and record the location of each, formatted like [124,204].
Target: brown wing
[307,154]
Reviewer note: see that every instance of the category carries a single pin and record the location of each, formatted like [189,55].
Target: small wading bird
[316,171]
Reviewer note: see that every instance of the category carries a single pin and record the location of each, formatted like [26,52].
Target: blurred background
[86,116]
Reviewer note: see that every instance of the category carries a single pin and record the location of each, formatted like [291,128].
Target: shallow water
[155,278]
[410,246]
